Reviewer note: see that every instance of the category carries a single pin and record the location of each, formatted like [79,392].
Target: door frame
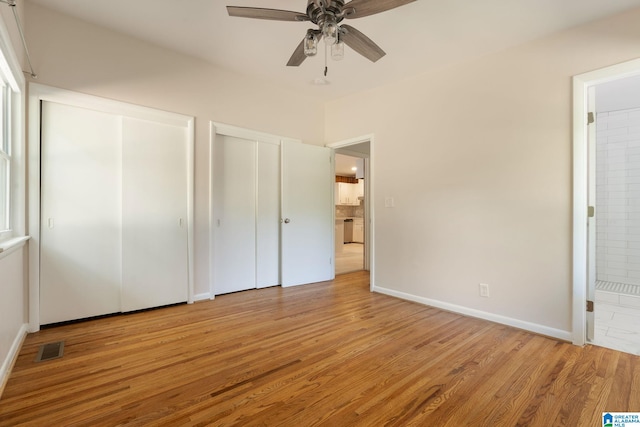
[38,93]
[581,85]
[369,245]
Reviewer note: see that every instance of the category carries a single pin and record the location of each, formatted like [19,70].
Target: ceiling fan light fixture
[330,31]
[337,51]
[310,45]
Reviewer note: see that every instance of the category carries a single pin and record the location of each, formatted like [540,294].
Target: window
[12,156]
[5,161]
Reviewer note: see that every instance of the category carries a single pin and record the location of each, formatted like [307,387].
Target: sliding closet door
[235,214]
[154,214]
[246,194]
[268,216]
[80,213]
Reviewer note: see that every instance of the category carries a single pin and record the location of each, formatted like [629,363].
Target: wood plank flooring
[329,354]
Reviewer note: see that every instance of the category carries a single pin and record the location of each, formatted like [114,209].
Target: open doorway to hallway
[349,215]
[352,206]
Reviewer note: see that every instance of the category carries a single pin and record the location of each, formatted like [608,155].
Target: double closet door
[113,213]
[272,212]
[247,204]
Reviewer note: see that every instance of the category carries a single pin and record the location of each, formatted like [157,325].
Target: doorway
[349,213]
[361,238]
[607,207]
[614,250]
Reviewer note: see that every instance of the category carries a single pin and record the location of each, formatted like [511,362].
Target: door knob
[287,220]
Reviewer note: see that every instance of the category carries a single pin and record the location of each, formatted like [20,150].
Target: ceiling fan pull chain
[326,69]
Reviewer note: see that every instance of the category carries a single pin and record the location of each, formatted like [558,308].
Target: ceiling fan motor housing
[319,11]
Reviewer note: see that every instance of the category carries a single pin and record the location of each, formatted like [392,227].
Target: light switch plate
[484,290]
[389,202]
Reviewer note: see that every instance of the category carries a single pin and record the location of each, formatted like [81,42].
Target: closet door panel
[268,216]
[234,184]
[80,257]
[154,214]
[307,240]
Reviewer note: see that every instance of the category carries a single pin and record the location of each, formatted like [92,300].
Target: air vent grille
[50,351]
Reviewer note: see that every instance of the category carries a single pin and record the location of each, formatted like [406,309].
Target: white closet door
[268,216]
[234,184]
[307,208]
[80,213]
[154,214]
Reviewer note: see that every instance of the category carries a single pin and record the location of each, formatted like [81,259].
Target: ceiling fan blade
[360,43]
[371,7]
[298,56]
[271,14]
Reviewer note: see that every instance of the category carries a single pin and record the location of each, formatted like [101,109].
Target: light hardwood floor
[330,354]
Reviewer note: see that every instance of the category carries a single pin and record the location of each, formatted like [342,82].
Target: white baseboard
[7,363]
[509,321]
[202,296]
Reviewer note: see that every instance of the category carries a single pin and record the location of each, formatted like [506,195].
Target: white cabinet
[348,194]
[114,202]
[344,193]
[360,188]
[358,230]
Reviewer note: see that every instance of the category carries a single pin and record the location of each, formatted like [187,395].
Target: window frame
[12,148]
[6,229]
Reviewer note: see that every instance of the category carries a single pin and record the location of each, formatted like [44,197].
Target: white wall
[78,56]
[13,306]
[13,263]
[478,158]
[9,21]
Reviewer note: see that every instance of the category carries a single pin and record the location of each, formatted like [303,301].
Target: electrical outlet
[484,290]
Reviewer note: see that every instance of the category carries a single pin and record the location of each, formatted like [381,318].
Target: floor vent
[53,350]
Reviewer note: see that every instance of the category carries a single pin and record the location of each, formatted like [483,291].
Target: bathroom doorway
[615,180]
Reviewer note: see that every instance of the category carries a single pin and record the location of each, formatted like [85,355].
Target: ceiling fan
[327,15]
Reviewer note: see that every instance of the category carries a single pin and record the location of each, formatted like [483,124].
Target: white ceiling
[417,37]
[344,165]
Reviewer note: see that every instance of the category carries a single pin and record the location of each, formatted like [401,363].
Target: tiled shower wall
[618,196]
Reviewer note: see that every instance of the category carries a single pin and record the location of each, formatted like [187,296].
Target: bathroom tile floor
[617,322]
